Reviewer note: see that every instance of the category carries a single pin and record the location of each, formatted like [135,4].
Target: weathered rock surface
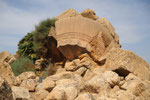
[6,57]
[25,76]
[68,13]
[6,73]
[5,90]
[85,96]
[66,88]
[78,35]
[30,84]
[137,87]
[46,85]
[89,14]
[20,93]
[41,95]
[125,62]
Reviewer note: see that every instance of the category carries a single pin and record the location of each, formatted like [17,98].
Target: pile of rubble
[96,68]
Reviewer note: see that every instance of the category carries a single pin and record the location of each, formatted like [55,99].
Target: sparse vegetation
[34,44]
[22,64]
[32,47]
[41,37]
[25,47]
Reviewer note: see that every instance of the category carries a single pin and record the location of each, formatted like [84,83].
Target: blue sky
[131,19]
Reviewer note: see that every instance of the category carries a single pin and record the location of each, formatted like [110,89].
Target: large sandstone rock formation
[77,35]
[125,62]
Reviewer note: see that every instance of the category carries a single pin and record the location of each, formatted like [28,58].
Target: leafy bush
[22,64]
[41,37]
[25,47]
[34,44]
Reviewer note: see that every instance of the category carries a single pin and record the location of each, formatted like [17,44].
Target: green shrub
[25,47]
[41,37]
[34,44]
[22,64]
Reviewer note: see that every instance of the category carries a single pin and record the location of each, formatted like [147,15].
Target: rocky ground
[83,79]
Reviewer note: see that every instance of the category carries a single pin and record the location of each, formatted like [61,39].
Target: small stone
[30,84]
[20,92]
[57,95]
[85,96]
[27,75]
[81,71]
[111,77]
[46,85]
[41,95]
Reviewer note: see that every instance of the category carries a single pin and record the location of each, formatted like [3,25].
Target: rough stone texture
[41,95]
[85,36]
[30,84]
[66,88]
[68,13]
[20,93]
[85,96]
[56,77]
[46,85]
[137,87]
[60,70]
[72,66]
[89,14]
[26,75]
[5,90]
[6,73]
[73,39]
[81,71]
[52,32]
[124,62]
[57,95]
[112,78]
[96,84]
[5,56]
[97,47]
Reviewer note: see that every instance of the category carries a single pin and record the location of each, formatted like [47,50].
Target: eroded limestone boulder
[125,62]
[137,87]
[30,84]
[78,35]
[57,95]
[6,73]
[65,88]
[89,14]
[5,90]
[46,85]
[68,13]
[41,95]
[73,39]
[85,96]
[20,93]
[25,76]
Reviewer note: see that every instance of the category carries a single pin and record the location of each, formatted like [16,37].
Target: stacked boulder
[82,33]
